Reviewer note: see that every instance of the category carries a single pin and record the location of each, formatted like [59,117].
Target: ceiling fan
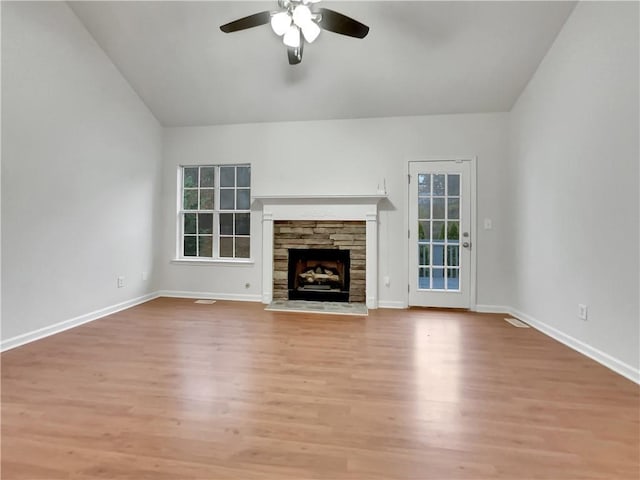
[297,21]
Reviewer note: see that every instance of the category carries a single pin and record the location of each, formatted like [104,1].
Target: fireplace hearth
[319,274]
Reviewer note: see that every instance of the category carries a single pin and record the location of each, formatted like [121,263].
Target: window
[214,216]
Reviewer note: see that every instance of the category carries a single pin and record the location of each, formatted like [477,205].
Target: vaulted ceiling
[420,57]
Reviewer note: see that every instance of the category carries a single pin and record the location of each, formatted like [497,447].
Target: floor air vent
[205,302]
[516,323]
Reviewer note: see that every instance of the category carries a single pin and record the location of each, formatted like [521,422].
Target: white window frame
[216,211]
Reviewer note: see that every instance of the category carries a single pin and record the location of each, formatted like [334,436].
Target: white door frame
[472,159]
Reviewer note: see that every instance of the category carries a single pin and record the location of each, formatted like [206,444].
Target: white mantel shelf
[294,207]
[319,199]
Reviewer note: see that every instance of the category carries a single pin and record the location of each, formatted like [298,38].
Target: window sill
[215,261]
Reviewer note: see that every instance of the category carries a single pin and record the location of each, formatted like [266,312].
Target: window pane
[190,246]
[207,176]
[242,224]
[453,279]
[438,279]
[423,278]
[438,184]
[227,199]
[242,247]
[438,208]
[243,199]
[226,224]
[424,230]
[453,232]
[244,176]
[453,205]
[438,255]
[424,208]
[438,231]
[227,176]
[453,257]
[205,244]
[424,184]
[206,199]
[226,246]
[205,223]
[423,253]
[189,223]
[454,184]
[190,177]
[190,201]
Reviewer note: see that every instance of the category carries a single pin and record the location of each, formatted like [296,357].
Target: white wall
[574,157]
[343,157]
[80,173]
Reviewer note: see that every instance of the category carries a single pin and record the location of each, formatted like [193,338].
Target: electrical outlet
[120,282]
[582,311]
[145,276]
[387,281]
[488,224]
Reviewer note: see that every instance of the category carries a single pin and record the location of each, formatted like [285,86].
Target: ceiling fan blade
[251,21]
[295,54]
[339,23]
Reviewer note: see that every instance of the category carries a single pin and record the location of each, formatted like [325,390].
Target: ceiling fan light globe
[280,23]
[301,15]
[292,37]
[310,32]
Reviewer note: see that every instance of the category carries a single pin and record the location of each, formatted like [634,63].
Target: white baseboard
[238,297]
[492,309]
[29,337]
[605,359]
[391,304]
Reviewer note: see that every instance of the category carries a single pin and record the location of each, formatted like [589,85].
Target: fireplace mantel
[321,207]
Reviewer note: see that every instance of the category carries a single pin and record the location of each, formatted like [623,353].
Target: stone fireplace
[323,222]
[303,248]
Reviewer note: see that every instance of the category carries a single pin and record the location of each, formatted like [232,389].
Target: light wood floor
[175,390]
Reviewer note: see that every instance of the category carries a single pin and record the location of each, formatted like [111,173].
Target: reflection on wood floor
[175,390]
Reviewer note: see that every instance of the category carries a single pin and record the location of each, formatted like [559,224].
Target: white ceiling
[420,57]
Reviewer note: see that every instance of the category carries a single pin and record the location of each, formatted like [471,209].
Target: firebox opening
[319,274]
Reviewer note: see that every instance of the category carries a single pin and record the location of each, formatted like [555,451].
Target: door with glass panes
[440,233]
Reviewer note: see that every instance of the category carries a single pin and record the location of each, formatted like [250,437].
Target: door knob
[466,244]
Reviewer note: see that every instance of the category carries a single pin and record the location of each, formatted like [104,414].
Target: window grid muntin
[215,234]
[447,271]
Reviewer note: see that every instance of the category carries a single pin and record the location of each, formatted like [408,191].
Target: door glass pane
[438,208]
[437,233]
[424,184]
[453,256]
[453,208]
[453,232]
[453,279]
[424,208]
[438,255]
[423,278]
[438,279]
[439,185]
[453,184]
[424,230]
[423,254]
